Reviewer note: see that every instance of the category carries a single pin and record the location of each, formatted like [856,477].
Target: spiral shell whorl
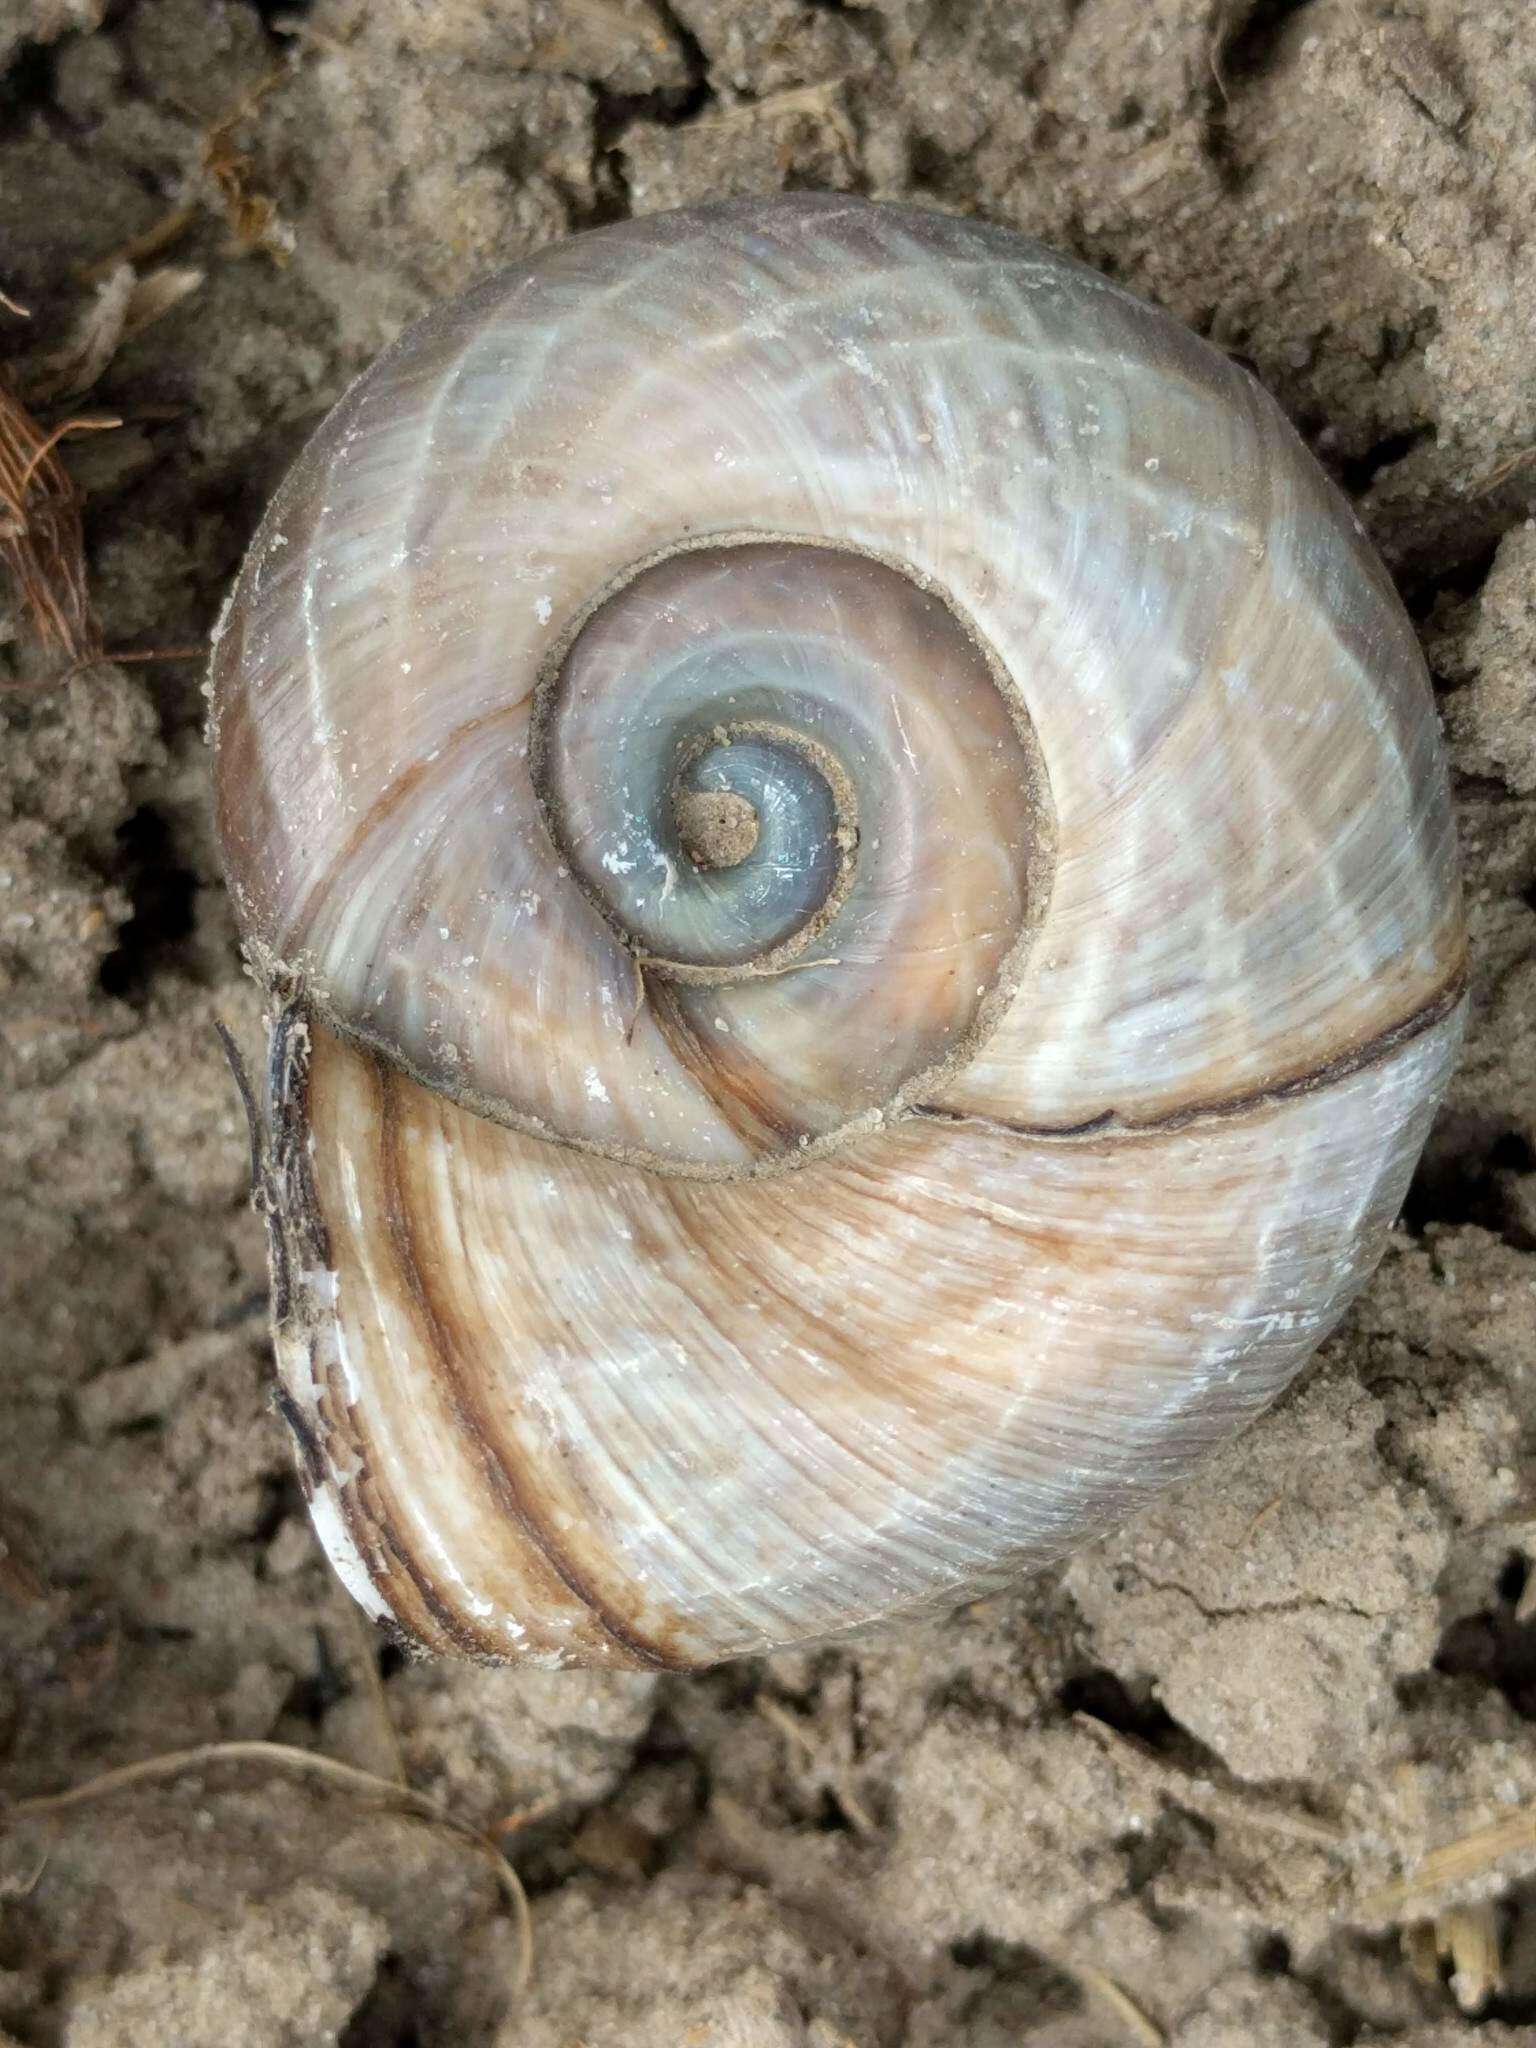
[901,826]
[813,685]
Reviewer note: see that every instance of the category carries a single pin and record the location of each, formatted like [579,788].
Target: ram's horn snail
[854,863]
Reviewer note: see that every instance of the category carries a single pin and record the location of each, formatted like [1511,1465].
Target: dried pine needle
[795,1732]
[304,1763]
[1207,1796]
[1111,1998]
[1503,471]
[1469,1856]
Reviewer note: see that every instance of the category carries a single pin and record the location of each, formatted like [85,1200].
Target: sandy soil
[1263,1771]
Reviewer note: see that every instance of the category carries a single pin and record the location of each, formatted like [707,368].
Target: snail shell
[855,867]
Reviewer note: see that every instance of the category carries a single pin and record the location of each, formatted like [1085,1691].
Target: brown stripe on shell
[335,1458]
[380,813]
[449,1356]
[740,1091]
[402,1574]
[657,1396]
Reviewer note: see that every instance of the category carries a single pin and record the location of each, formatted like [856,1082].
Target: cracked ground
[1262,1770]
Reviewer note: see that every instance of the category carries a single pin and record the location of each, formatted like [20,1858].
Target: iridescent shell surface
[854,865]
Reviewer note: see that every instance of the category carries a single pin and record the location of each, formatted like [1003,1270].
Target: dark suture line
[311,1461]
[285,1193]
[471,1420]
[1110,1123]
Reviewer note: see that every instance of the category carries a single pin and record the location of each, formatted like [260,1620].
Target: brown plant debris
[1112,1998]
[252,214]
[42,541]
[1206,1795]
[169,228]
[1501,473]
[822,100]
[225,176]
